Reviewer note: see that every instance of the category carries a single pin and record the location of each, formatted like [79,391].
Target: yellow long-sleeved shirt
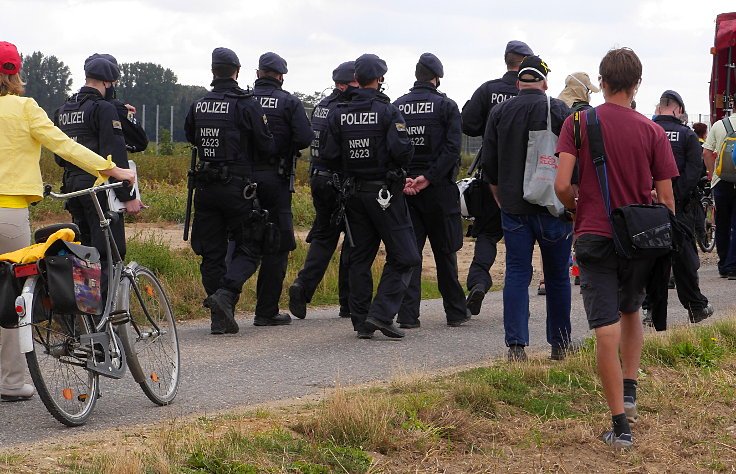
[24,127]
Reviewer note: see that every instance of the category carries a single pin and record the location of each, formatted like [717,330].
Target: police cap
[670,94]
[9,58]
[344,73]
[272,62]
[433,63]
[519,47]
[370,66]
[102,69]
[225,56]
[109,57]
[533,66]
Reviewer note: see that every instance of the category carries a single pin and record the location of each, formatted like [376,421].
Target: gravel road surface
[267,364]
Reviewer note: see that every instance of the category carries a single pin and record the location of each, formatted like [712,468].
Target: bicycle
[706,235]
[66,353]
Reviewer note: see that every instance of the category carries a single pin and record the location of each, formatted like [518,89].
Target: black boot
[297,301]
[222,304]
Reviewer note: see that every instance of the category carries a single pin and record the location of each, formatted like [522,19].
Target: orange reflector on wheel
[154,377]
[67,393]
[82,397]
[149,290]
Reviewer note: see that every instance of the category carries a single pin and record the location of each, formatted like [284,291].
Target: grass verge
[538,416]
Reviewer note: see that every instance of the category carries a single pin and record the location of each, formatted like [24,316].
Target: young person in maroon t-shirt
[613,288]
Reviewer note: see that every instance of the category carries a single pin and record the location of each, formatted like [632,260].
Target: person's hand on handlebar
[122,174]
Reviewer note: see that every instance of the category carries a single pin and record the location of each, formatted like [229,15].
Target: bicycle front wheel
[707,241]
[58,362]
[150,338]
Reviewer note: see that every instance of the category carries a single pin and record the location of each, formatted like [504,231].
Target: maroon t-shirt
[637,152]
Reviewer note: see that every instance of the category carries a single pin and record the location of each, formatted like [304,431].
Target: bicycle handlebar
[94,189]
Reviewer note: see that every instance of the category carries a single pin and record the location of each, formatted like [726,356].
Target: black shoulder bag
[639,230]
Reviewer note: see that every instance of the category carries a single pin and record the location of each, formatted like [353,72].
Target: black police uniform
[229,129]
[369,136]
[93,122]
[688,211]
[324,235]
[291,132]
[486,228]
[434,126]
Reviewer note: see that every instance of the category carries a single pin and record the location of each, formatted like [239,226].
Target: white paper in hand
[115,204]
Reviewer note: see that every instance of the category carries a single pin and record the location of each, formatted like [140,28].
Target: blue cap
[370,66]
[344,73]
[109,57]
[670,94]
[101,69]
[519,47]
[272,62]
[225,56]
[432,62]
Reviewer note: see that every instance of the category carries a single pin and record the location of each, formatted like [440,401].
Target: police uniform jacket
[228,126]
[434,127]
[476,110]
[287,119]
[319,126]
[94,123]
[505,141]
[688,156]
[135,137]
[368,135]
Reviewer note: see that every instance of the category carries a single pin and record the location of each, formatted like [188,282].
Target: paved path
[266,364]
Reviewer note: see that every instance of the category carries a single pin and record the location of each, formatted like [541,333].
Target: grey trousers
[15,233]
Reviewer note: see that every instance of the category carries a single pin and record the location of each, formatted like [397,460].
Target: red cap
[9,58]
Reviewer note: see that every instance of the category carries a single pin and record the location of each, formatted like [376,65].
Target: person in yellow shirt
[24,127]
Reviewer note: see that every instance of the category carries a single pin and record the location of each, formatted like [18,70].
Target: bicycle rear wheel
[707,241]
[150,338]
[58,362]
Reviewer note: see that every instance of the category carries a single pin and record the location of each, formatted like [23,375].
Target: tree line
[48,81]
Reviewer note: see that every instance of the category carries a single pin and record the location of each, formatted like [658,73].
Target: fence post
[157,129]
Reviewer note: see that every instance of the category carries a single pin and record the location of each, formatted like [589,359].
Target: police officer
[687,151]
[93,122]
[325,232]
[136,139]
[275,176]
[487,227]
[369,136]
[230,131]
[434,126]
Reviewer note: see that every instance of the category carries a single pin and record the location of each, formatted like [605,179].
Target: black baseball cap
[344,73]
[102,70]
[535,67]
[432,62]
[272,62]
[225,56]
[370,66]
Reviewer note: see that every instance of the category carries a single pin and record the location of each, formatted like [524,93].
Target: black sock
[620,424]
[630,388]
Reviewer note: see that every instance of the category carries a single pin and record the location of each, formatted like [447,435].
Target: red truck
[723,76]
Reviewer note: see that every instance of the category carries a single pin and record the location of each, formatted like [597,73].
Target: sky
[671,37]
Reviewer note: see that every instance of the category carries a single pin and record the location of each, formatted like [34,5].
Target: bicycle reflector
[20,306]
[26,270]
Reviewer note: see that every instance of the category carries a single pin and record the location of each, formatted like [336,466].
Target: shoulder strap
[549,113]
[576,130]
[598,154]
[727,123]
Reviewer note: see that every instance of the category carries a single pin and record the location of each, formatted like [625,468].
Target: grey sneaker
[630,409]
[516,353]
[619,443]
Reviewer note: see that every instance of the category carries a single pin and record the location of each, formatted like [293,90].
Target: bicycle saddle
[43,233]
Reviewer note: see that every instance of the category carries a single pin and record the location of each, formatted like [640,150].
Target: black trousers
[84,214]
[370,226]
[685,262]
[435,215]
[323,239]
[488,232]
[219,211]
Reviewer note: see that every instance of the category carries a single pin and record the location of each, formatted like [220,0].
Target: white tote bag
[541,168]
[115,204]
